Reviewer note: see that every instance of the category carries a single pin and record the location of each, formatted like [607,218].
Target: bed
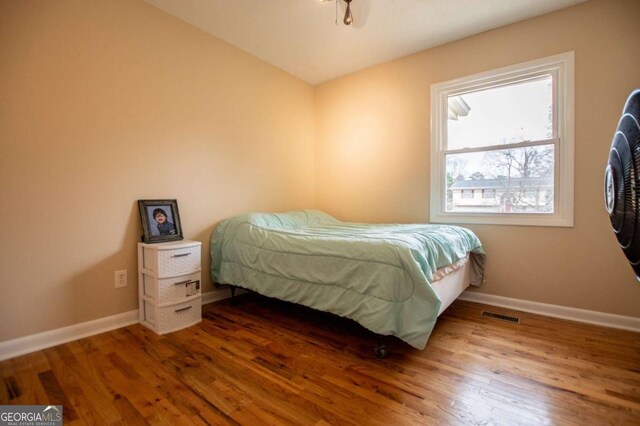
[393,279]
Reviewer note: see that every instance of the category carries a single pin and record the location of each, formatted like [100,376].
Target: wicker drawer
[169,285]
[168,290]
[171,260]
[168,318]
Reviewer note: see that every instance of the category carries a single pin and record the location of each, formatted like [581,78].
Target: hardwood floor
[262,361]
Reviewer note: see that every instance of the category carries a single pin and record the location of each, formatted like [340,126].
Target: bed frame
[448,289]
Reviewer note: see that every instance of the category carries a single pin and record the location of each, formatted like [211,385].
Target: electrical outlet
[121,278]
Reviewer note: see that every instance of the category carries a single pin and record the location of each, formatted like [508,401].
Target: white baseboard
[215,295]
[47,339]
[220,294]
[556,311]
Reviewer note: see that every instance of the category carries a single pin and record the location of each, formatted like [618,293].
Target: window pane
[518,180]
[489,193]
[501,115]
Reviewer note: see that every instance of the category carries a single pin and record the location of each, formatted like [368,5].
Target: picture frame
[160,221]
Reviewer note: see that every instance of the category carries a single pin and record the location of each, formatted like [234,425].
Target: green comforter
[377,275]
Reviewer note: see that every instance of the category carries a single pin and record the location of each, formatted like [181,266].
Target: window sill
[503,219]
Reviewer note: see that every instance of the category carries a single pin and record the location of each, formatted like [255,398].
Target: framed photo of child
[160,220]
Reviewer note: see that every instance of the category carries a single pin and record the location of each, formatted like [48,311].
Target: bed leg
[233,294]
[381,351]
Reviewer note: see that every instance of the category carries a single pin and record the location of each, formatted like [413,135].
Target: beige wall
[106,102]
[372,150]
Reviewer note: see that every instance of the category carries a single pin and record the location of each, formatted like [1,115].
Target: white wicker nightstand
[169,285]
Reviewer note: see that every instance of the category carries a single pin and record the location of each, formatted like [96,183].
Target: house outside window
[502,146]
[502,195]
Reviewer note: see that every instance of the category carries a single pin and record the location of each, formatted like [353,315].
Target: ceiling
[302,38]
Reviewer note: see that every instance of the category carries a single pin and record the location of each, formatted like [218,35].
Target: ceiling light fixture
[348,16]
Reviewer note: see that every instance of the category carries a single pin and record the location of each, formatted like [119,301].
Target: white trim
[561,67]
[220,294]
[46,339]
[556,311]
[552,141]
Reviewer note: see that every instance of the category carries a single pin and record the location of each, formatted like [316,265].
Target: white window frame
[561,68]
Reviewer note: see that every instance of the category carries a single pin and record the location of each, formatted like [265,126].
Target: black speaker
[622,182]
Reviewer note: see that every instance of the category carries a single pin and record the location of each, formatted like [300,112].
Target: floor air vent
[501,317]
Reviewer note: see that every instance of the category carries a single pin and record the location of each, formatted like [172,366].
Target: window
[488,193]
[508,134]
